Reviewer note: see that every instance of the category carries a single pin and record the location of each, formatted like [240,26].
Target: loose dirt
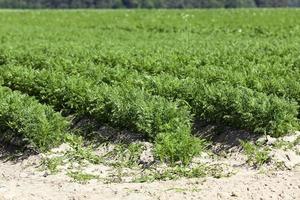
[20,182]
[23,179]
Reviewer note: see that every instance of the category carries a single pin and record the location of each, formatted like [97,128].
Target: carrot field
[149,72]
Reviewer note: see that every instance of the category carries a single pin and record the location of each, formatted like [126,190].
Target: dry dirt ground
[24,180]
[17,182]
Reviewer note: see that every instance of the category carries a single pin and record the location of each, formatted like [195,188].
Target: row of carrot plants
[239,107]
[212,97]
[165,122]
[279,78]
[35,125]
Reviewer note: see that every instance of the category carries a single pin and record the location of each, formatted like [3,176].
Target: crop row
[220,103]
[217,103]
[36,125]
[271,76]
[278,78]
[120,106]
[216,95]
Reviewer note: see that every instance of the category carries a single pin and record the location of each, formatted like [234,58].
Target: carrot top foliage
[150,72]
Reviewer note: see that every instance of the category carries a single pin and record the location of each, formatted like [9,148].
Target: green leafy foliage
[119,106]
[257,156]
[35,124]
[154,72]
[81,177]
[124,155]
[178,172]
[178,146]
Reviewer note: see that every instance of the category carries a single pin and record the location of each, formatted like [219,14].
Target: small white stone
[62,148]
[262,140]
[271,140]
[291,138]
[147,156]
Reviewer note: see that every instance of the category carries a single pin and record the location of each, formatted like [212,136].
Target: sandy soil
[20,182]
[24,179]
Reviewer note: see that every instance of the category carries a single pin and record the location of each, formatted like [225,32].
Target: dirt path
[18,182]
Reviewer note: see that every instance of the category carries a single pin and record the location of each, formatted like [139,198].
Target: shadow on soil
[97,133]
[222,137]
[11,152]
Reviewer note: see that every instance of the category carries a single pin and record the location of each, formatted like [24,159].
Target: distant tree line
[146,3]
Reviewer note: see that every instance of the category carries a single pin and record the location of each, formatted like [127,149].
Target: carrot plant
[139,73]
[36,125]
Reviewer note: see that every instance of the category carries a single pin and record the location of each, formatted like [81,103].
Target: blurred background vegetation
[146,3]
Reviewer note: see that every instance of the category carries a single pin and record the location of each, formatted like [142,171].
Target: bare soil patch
[279,178]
